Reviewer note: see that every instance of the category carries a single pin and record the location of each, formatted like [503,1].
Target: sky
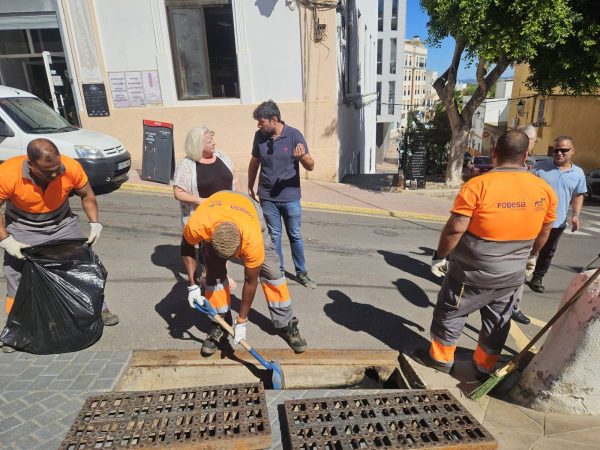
[437,58]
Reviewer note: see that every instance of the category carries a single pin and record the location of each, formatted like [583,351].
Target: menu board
[94,95]
[416,180]
[158,159]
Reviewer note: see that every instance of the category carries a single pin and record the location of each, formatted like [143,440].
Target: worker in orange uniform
[36,190]
[499,223]
[231,225]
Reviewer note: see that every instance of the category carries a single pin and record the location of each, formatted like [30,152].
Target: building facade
[415,90]
[193,63]
[391,27]
[490,119]
[556,115]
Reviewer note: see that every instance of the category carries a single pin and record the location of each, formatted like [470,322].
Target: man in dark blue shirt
[278,150]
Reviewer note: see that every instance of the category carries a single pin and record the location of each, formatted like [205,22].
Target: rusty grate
[216,417]
[412,419]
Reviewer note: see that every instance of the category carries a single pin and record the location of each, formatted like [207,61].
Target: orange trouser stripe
[485,361]
[9,304]
[442,353]
[219,298]
[276,293]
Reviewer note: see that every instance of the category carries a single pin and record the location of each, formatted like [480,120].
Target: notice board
[418,164]
[158,159]
[94,95]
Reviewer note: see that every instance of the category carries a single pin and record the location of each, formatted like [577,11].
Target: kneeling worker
[36,190]
[231,225]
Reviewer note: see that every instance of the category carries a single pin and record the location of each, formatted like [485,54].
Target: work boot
[216,336]
[305,280]
[422,357]
[7,349]
[292,336]
[536,284]
[518,316]
[479,375]
[109,319]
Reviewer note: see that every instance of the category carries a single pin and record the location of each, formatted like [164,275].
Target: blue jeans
[291,213]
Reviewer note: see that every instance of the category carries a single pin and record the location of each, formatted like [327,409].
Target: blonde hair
[194,142]
[226,239]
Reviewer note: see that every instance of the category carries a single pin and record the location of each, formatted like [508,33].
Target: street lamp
[520,107]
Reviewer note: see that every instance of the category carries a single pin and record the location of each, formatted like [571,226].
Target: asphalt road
[375,289]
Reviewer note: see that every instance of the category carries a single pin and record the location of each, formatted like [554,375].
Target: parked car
[532,160]
[24,117]
[592,179]
[481,164]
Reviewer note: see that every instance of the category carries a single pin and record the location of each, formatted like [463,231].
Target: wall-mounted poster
[118,89]
[151,86]
[135,89]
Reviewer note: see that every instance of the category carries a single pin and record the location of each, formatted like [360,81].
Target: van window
[33,116]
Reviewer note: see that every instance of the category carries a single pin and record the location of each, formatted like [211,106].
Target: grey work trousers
[456,301]
[270,274]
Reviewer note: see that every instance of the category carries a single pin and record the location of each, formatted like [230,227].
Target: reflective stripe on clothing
[484,361]
[219,297]
[10,301]
[276,292]
[457,300]
[442,353]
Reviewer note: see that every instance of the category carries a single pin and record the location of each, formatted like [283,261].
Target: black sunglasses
[562,150]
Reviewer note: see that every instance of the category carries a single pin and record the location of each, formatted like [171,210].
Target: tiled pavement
[40,395]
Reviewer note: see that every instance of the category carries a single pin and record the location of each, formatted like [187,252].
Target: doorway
[33,60]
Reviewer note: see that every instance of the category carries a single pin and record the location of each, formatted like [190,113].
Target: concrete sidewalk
[365,196]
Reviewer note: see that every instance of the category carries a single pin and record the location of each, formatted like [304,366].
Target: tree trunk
[454,168]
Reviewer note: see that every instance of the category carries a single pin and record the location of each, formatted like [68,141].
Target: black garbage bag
[58,305]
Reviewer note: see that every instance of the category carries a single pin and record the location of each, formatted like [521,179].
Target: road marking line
[595,229]
[596,214]
[520,338]
[537,322]
[576,233]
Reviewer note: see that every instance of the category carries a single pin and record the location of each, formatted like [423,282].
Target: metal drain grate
[412,419]
[215,417]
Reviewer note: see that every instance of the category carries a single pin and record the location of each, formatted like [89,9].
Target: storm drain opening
[215,417]
[313,369]
[409,419]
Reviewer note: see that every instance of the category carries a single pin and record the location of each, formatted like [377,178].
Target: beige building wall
[232,123]
[558,115]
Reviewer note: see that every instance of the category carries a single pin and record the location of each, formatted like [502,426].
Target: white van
[24,117]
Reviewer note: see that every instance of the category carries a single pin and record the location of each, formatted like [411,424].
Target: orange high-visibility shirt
[17,186]
[506,205]
[228,206]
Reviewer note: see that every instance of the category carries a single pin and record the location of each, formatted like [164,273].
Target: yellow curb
[374,212]
[311,205]
[147,188]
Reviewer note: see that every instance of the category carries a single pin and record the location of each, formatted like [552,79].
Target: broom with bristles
[501,373]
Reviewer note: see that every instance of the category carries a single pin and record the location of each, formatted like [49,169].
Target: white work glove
[239,331]
[13,247]
[439,266]
[530,266]
[194,294]
[95,230]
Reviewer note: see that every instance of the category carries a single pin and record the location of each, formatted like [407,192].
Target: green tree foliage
[559,39]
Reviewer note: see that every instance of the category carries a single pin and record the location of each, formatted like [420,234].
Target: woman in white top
[203,171]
